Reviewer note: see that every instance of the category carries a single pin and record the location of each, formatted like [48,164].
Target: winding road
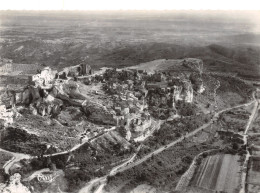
[245,164]
[77,146]
[101,182]
[19,156]
[16,157]
[97,185]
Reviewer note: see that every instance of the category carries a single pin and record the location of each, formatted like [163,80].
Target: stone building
[85,69]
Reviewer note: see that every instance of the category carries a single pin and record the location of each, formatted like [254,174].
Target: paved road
[245,164]
[77,146]
[180,139]
[99,183]
[183,181]
[125,165]
[16,157]
[19,156]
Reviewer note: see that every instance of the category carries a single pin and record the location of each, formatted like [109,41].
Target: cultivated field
[253,175]
[254,135]
[219,172]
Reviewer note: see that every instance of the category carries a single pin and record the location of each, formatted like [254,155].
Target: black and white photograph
[129,97]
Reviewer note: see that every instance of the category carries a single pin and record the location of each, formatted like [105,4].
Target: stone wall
[25,68]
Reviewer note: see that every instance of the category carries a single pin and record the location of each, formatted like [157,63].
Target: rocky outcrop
[183,93]
[128,135]
[201,89]
[46,78]
[28,95]
[74,71]
[197,82]
[144,124]
[194,64]
[177,93]
[14,185]
[6,115]
[144,188]
[99,113]
[188,92]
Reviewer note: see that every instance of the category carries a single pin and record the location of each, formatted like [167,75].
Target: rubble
[75,71]
[45,79]
[14,185]
[6,115]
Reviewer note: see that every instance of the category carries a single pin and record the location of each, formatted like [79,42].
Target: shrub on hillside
[186,109]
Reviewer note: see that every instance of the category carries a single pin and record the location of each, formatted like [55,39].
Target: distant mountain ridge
[243,60]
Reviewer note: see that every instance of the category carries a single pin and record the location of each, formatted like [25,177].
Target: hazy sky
[128,4]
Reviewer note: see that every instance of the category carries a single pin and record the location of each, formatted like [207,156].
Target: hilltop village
[77,123]
[135,95]
[129,102]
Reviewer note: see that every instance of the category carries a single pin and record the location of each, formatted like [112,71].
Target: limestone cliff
[45,78]
[188,92]
[6,115]
[177,93]
[14,185]
[194,64]
[183,92]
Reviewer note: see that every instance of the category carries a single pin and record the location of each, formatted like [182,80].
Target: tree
[187,159]
[110,178]
[235,146]
[122,130]
[60,164]
[52,167]
[37,164]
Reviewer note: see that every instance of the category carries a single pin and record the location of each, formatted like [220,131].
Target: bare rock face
[14,185]
[188,92]
[45,78]
[128,135]
[6,115]
[194,63]
[201,89]
[144,188]
[29,95]
[183,93]
[197,82]
[177,93]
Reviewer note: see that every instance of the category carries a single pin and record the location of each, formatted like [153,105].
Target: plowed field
[219,172]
